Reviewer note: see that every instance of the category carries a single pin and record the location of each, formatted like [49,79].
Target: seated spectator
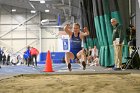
[81,56]
[19,60]
[93,57]
[14,60]
[89,57]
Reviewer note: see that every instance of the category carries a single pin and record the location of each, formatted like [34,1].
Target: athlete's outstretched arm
[67,29]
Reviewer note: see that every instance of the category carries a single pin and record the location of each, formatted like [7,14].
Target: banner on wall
[65,44]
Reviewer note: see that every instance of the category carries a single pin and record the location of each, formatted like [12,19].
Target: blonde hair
[77,24]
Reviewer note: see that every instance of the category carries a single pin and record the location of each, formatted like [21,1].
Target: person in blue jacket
[27,56]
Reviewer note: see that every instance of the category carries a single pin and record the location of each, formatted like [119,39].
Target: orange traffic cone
[48,65]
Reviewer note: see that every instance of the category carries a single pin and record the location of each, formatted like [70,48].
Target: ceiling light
[42,1]
[47,10]
[13,10]
[33,11]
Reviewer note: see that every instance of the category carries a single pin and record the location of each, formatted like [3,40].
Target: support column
[40,33]
[138,23]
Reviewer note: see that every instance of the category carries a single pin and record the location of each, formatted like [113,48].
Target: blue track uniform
[75,44]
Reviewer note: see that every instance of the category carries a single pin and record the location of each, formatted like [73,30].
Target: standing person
[118,36]
[76,38]
[27,56]
[34,52]
[3,58]
[1,52]
[8,59]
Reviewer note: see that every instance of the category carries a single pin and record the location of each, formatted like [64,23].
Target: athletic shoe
[69,67]
[116,69]
[84,65]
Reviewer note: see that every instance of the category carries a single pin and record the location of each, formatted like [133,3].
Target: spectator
[118,36]
[34,52]
[27,56]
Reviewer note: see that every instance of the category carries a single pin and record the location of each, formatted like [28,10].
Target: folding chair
[130,59]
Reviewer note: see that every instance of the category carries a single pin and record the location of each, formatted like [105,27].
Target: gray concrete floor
[10,71]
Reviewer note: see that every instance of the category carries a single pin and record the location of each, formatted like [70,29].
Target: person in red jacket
[34,52]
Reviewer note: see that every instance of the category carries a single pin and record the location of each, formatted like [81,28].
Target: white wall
[49,39]
[18,37]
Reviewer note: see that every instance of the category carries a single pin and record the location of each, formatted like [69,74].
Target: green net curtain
[103,11]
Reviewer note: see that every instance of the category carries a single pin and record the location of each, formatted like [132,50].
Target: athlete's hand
[67,27]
